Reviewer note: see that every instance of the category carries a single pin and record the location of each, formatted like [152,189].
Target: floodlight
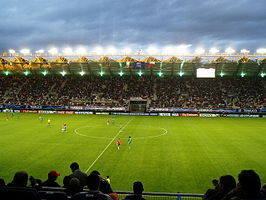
[98,50]
[181,73]
[45,73]
[222,74]
[26,72]
[200,50]
[40,51]
[140,73]
[244,51]
[152,50]
[111,50]
[230,50]
[127,50]
[53,51]
[262,74]
[101,73]
[261,51]
[242,74]
[25,51]
[12,51]
[160,73]
[214,50]
[68,51]
[6,73]
[81,51]
[121,73]
[82,73]
[63,73]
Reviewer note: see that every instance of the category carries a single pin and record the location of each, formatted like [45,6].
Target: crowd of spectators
[79,186]
[229,93]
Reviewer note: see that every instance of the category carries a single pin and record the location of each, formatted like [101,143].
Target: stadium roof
[162,65]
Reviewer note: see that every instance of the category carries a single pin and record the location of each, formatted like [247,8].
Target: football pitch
[168,154]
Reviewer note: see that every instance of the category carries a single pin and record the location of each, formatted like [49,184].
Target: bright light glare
[12,51]
[40,51]
[81,51]
[6,73]
[63,73]
[111,50]
[229,50]
[127,50]
[121,73]
[200,50]
[25,51]
[140,73]
[26,73]
[182,49]
[244,51]
[101,73]
[53,51]
[214,50]
[242,74]
[82,73]
[261,51]
[160,74]
[44,73]
[98,50]
[262,74]
[152,50]
[181,73]
[68,51]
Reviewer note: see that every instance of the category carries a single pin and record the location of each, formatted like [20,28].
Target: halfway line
[107,146]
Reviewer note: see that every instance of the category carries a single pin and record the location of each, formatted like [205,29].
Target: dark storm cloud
[138,23]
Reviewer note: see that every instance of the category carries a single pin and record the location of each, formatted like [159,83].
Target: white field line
[107,146]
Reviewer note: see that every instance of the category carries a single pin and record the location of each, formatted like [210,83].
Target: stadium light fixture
[140,73]
[111,50]
[127,50]
[25,51]
[229,50]
[200,50]
[101,73]
[63,73]
[68,51]
[160,73]
[40,51]
[26,72]
[261,51]
[181,73]
[121,73]
[81,51]
[262,75]
[11,51]
[242,74]
[44,73]
[6,73]
[152,50]
[214,50]
[222,74]
[82,73]
[244,51]
[53,51]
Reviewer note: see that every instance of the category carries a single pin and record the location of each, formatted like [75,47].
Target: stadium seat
[84,196]
[53,195]
[19,193]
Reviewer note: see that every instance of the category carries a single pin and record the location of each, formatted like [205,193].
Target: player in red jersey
[118,142]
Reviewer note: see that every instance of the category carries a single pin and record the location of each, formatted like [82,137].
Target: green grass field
[168,154]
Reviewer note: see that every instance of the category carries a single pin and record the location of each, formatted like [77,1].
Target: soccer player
[113,120]
[41,118]
[118,142]
[64,127]
[49,122]
[129,141]
[108,122]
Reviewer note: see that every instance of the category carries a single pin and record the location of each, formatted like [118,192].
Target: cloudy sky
[138,24]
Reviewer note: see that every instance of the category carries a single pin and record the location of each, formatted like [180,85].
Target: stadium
[192,119]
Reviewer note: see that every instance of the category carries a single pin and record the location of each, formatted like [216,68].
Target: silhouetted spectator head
[74,166]
[2,182]
[249,182]
[66,181]
[227,183]
[215,182]
[20,179]
[93,182]
[138,187]
[96,172]
[52,175]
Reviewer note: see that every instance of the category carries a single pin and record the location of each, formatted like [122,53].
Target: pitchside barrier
[146,195]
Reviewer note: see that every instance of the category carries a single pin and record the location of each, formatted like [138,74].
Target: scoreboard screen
[205,73]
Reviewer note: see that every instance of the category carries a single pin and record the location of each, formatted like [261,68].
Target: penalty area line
[107,146]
